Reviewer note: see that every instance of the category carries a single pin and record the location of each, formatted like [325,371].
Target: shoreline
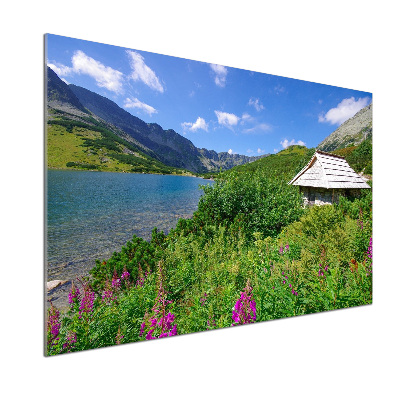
[127,172]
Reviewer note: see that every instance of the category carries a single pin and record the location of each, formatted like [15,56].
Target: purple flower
[160,321]
[73,294]
[86,303]
[287,247]
[149,335]
[235,316]
[125,277]
[173,331]
[280,250]
[116,283]
[142,328]
[53,326]
[369,252]
[169,319]
[244,311]
[69,342]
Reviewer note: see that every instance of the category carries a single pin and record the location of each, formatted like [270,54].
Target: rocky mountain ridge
[351,133]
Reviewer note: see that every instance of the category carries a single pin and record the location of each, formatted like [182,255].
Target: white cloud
[141,72]
[259,151]
[276,150]
[135,103]
[286,143]
[258,128]
[61,69]
[227,119]
[230,151]
[106,77]
[344,110]
[220,74]
[194,126]
[278,89]
[256,104]
[246,118]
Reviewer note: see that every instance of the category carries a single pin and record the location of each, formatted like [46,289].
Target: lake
[92,214]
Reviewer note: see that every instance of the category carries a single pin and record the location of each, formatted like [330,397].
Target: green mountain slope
[287,162]
[78,139]
[78,144]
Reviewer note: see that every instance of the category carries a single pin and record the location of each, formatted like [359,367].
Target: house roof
[329,171]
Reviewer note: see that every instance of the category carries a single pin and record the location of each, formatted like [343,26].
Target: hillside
[286,162]
[78,139]
[351,133]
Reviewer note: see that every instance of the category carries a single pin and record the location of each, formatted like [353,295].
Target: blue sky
[216,107]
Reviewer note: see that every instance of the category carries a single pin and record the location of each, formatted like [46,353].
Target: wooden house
[326,177]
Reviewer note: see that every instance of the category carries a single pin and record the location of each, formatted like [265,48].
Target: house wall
[320,196]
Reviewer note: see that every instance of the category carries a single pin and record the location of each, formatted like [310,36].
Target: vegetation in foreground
[250,253]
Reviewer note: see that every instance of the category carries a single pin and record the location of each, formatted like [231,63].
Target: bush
[250,202]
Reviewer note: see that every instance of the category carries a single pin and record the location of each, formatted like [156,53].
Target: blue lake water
[92,214]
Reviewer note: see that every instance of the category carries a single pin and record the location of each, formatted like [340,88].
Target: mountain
[79,139]
[167,146]
[59,95]
[351,133]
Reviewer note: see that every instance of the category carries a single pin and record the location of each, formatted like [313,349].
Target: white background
[347,354]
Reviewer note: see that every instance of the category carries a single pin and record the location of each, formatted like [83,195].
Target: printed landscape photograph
[184,196]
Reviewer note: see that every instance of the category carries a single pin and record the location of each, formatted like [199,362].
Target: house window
[311,197]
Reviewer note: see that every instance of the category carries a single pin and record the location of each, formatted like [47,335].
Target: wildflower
[173,331]
[203,299]
[125,276]
[142,328]
[280,250]
[53,326]
[69,342]
[116,282]
[140,279]
[73,294]
[149,334]
[244,311]
[284,282]
[86,305]
[369,252]
[287,247]
[161,321]
[108,297]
